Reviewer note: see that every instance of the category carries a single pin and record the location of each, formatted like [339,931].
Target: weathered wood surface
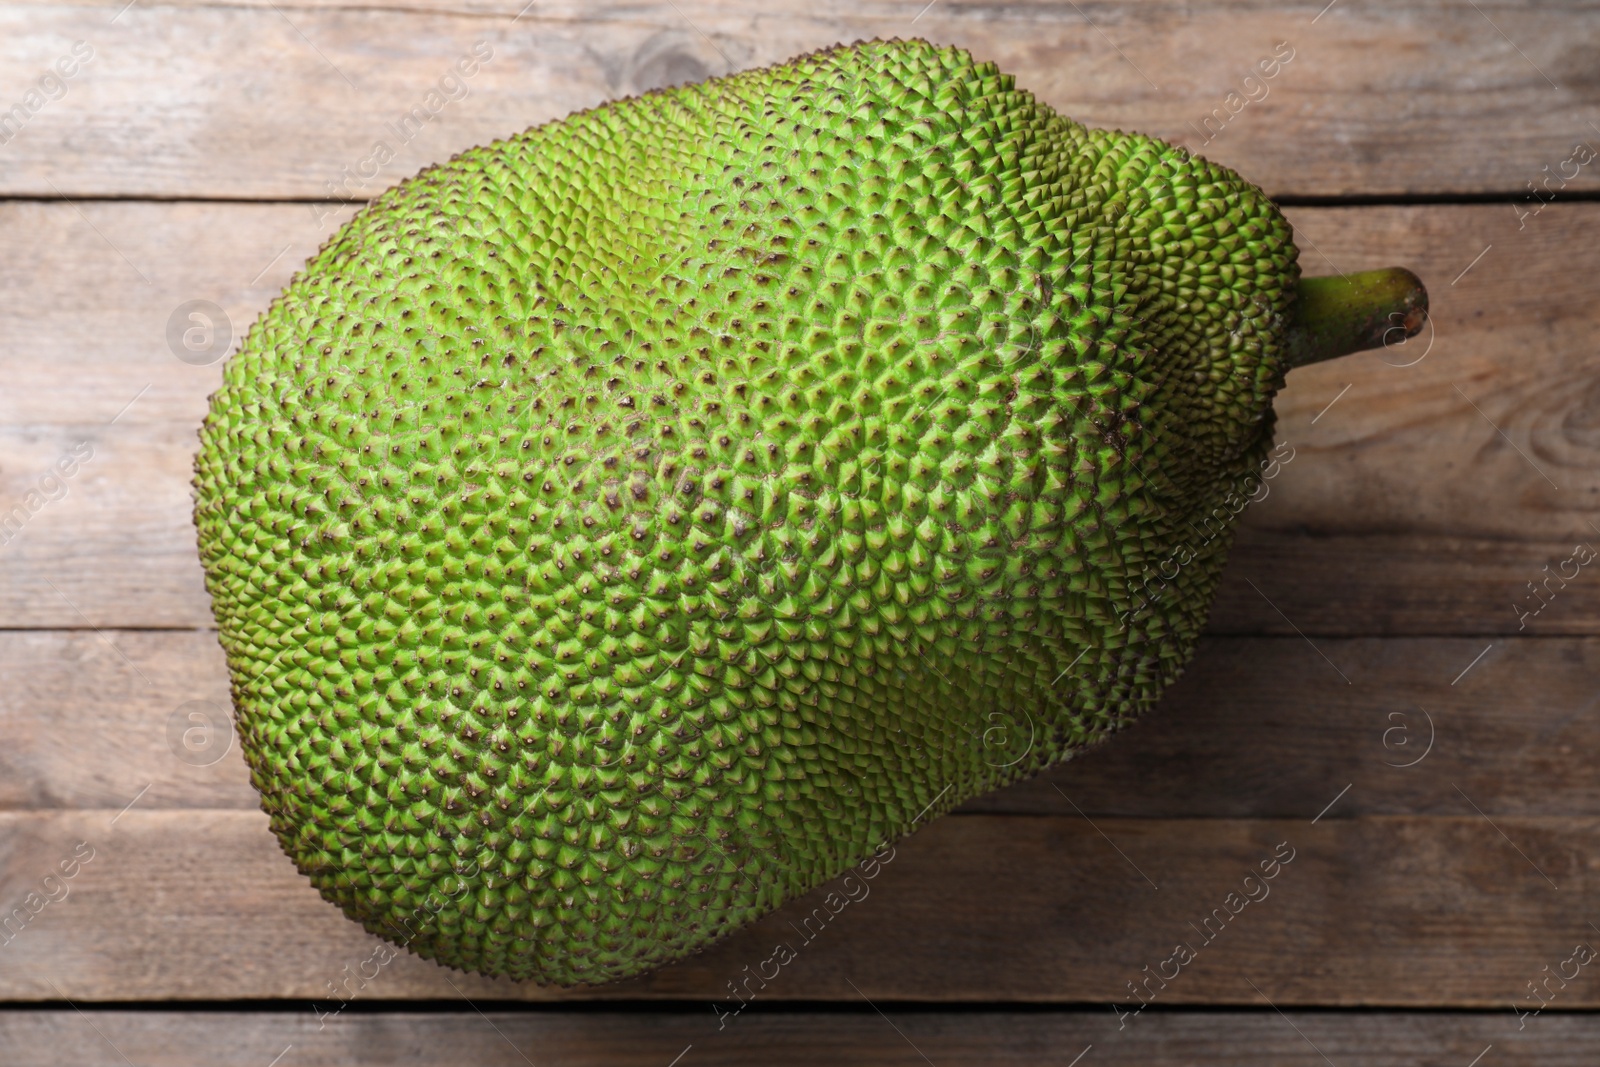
[1459,464]
[1377,910]
[1404,510]
[898,1038]
[264,100]
[1257,728]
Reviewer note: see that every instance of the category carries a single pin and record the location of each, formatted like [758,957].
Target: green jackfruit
[623,528]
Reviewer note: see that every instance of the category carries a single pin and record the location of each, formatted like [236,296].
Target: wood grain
[1257,728]
[900,1038]
[266,100]
[1404,510]
[203,905]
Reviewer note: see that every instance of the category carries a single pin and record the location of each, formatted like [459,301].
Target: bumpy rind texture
[625,527]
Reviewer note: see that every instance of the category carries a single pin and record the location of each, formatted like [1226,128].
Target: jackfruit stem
[1344,313]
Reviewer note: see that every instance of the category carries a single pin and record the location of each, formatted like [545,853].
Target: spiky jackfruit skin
[625,527]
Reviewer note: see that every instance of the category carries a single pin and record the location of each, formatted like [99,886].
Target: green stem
[1345,313]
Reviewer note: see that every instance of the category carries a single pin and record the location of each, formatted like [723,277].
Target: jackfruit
[628,526]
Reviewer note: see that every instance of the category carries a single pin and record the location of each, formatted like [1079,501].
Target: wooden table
[1369,691]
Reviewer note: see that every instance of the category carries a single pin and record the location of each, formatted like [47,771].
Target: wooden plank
[91,718]
[265,100]
[1347,583]
[900,1038]
[1404,510]
[1257,728]
[91,371]
[1371,911]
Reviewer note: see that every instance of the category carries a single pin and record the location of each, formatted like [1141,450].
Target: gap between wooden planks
[264,100]
[1429,485]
